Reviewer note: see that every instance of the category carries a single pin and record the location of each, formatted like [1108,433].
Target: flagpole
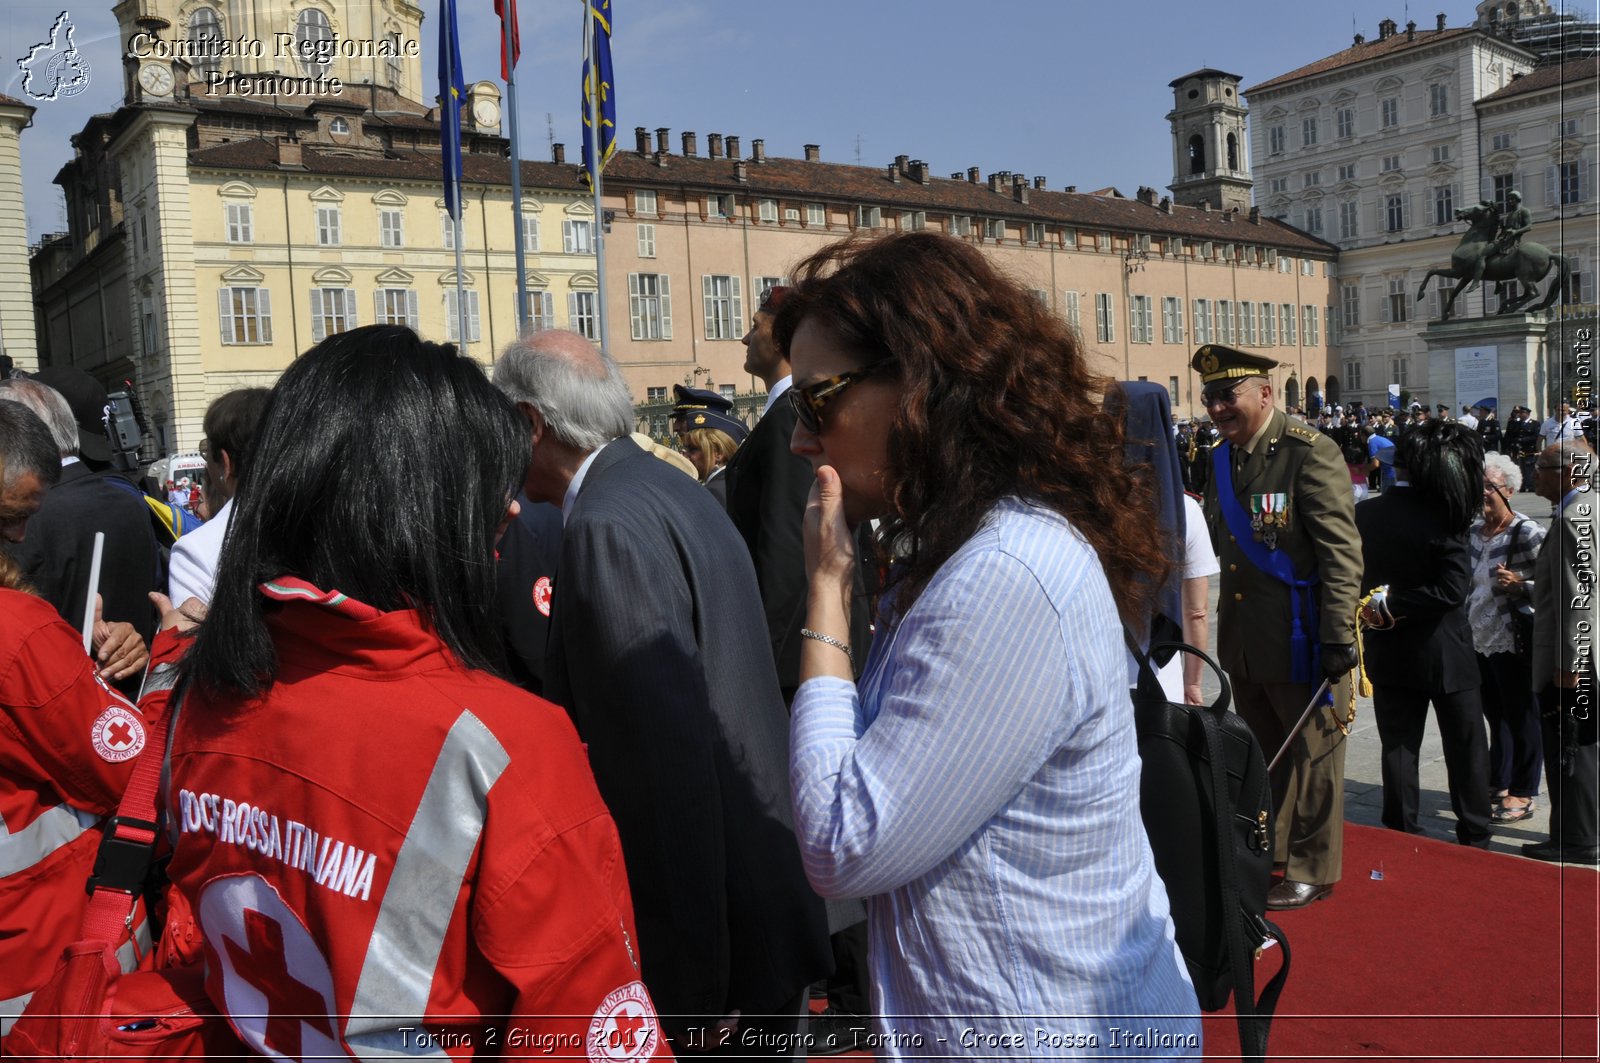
[461,208]
[592,62]
[510,59]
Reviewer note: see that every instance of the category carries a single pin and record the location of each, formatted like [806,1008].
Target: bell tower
[1210,153]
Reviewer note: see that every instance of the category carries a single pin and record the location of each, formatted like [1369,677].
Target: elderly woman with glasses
[1500,610]
[981,786]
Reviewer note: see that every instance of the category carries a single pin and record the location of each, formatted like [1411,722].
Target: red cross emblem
[624,1027]
[118,734]
[276,986]
[541,595]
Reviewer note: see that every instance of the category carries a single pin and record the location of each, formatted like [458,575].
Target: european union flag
[597,79]
[452,88]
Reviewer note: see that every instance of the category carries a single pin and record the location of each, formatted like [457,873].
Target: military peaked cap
[1214,362]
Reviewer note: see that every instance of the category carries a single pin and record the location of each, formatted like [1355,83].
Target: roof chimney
[1206,206]
[1440,27]
[691,145]
[919,171]
[641,140]
[902,163]
[958,175]
[813,153]
[740,172]
[894,173]
[663,134]
[758,148]
[558,153]
[1255,215]
[994,182]
[1038,183]
[289,153]
[1411,30]
[1072,188]
[733,148]
[1387,28]
[1166,204]
[713,146]
[1019,188]
[974,175]
[1360,40]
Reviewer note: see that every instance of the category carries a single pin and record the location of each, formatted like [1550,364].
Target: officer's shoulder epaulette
[1300,432]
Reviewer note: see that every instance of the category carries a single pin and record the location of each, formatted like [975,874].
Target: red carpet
[1454,953]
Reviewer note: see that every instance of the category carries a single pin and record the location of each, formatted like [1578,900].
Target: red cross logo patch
[276,985]
[624,1027]
[118,734]
[541,595]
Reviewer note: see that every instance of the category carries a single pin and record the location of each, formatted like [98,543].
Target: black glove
[1338,659]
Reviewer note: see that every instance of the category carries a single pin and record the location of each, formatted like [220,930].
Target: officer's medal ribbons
[1269,515]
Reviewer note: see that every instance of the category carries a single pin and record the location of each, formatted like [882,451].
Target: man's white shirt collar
[570,499]
[776,393]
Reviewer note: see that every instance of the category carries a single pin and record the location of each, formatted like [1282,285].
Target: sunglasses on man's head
[808,402]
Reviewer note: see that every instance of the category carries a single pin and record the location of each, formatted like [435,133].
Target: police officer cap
[716,419]
[1442,408]
[1416,406]
[698,399]
[1214,362]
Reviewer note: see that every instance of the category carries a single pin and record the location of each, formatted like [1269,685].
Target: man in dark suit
[1566,614]
[529,552]
[656,649]
[1419,644]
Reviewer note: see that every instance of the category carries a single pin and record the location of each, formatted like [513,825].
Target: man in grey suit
[1565,625]
[658,651]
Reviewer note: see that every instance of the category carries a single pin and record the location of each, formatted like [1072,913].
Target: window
[767,211]
[1105,327]
[1441,153]
[453,318]
[1202,321]
[1102,241]
[205,40]
[1567,127]
[1172,391]
[530,232]
[1308,268]
[1247,323]
[1035,232]
[1312,179]
[650,306]
[447,228]
[1140,325]
[1391,163]
[395,306]
[1314,220]
[960,225]
[1308,131]
[328,225]
[1444,205]
[1502,142]
[1171,320]
[1308,320]
[1389,108]
[719,206]
[1278,186]
[246,315]
[654,395]
[1285,263]
[1224,321]
[313,38]
[1174,245]
[1350,305]
[394,63]
[1040,296]
[1569,183]
[1347,171]
[647,241]
[1352,376]
[1070,304]
[333,310]
[913,220]
[391,231]
[1275,140]
[1286,314]
[1344,122]
[1503,184]
[761,285]
[240,219]
[816,214]
[1333,324]
[1575,289]
[1349,223]
[1400,371]
[724,309]
[994,229]
[1438,100]
[541,311]
[1394,213]
[581,317]
[339,127]
[1269,329]
[644,202]
[727,391]
[868,217]
[577,237]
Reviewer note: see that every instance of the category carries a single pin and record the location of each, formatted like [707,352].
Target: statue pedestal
[1475,358]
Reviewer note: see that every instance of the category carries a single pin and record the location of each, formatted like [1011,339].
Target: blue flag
[452,89]
[600,50]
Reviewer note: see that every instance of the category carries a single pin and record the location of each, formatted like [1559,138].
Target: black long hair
[1444,464]
[382,467]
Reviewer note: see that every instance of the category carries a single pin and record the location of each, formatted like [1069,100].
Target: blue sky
[1076,91]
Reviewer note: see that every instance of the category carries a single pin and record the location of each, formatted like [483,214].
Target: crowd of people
[498,722]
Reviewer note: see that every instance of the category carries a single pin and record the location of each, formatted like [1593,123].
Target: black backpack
[1207,808]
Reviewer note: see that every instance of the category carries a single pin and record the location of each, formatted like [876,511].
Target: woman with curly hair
[981,787]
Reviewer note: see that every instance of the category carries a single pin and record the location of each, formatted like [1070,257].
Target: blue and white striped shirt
[982,791]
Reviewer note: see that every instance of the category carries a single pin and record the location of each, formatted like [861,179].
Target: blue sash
[1305,652]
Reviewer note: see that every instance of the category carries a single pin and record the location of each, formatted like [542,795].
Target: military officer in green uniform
[1282,518]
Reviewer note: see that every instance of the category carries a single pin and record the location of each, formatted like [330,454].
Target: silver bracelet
[837,644]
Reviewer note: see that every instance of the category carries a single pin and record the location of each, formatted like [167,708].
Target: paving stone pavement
[1363,773]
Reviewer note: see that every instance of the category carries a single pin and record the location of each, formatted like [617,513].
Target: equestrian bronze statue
[1476,259]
